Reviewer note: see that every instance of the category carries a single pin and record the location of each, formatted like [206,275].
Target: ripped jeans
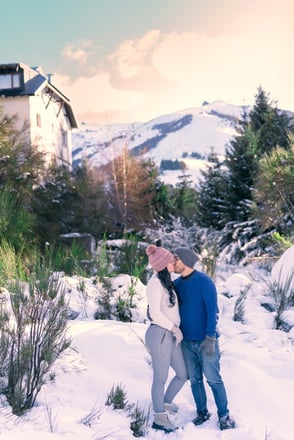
[164,354]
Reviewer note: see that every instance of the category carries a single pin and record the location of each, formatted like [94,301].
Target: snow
[257,368]
[210,128]
[283,270]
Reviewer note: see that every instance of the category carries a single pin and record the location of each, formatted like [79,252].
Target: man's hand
[208,345]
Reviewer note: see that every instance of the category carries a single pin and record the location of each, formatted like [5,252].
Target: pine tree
[271,126]
[162,202]
[264,128]
[21,165]
[212,193]
[226,194]
[274,195]
[21,168]
[185,200]
[92,208]
[71,202]
[241,164]
[53,204]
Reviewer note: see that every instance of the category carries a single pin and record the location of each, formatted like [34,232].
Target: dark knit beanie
[188,257]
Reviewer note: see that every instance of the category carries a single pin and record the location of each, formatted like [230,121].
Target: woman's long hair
[166,281]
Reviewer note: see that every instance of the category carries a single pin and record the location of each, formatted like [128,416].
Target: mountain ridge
[176,136]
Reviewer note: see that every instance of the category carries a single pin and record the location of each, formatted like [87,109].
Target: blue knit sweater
[198,306]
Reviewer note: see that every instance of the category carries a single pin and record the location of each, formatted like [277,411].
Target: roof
[37,82]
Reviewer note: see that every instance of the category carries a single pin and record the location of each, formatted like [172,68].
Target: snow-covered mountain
[188,135]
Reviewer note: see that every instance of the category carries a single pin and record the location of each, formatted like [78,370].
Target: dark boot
[201,418]
[226,422]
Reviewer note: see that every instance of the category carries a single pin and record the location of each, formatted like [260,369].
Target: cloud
[96,95]
[161,73]
[134,56]
[78,52]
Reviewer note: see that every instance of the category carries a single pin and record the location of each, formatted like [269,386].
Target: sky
[256,367]
[132,60]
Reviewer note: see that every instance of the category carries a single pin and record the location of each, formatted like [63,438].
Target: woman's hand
[177,334]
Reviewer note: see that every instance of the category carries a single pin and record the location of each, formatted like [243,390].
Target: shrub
[36,338]
[131,259]
[16,222]
[140,420]
[9,263]
[104,301]
[283,294]
[4,337]
[103,261]
[117,397]
[69,260]
[92,417]
[239,312]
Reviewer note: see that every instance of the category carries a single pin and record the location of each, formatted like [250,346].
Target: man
[199,315]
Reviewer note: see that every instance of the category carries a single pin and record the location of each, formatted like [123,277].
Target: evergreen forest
[243,205]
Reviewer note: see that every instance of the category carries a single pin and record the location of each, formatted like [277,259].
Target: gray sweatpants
[164,354]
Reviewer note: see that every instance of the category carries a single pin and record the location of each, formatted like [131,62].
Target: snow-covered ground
[257,368]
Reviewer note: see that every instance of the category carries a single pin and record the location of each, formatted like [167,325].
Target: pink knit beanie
[159,257]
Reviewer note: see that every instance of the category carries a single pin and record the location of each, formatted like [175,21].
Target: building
[29,94]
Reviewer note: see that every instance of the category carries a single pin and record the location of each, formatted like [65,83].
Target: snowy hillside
[182,136]
[257,367]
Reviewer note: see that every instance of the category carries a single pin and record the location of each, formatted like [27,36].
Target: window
[9,81]
[38,120]
[64,138]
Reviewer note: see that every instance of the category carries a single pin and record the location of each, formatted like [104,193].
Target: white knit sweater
[159,306]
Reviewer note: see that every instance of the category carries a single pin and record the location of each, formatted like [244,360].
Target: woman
[163,337]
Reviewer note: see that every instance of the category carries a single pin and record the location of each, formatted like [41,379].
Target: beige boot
[162,422]
[171,408]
